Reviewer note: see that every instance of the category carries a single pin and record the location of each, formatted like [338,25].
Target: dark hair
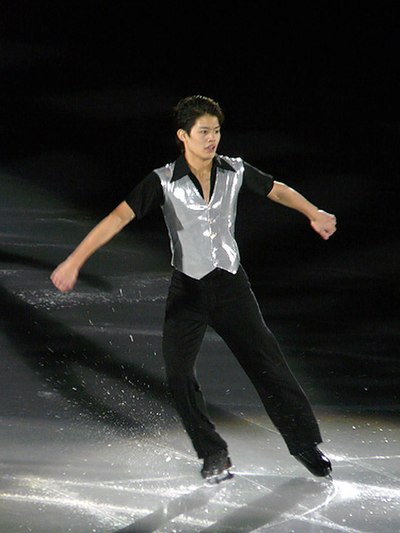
[190,108]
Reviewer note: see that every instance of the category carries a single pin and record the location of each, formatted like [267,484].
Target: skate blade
[219,478]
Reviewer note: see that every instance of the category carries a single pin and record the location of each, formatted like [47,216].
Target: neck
[199,167]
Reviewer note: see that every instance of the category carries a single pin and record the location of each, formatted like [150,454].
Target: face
[203,139]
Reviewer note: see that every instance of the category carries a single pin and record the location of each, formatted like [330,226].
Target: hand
[64,276]
[324,224]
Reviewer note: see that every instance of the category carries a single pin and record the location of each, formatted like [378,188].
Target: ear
[181,134]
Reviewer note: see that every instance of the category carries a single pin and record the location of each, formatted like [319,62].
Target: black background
[99,78]
[309,91]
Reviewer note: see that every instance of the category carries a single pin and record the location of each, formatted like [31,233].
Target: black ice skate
[216,468]
[315,461]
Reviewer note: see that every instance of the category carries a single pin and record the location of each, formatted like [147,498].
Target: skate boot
[315,461]
[216,467]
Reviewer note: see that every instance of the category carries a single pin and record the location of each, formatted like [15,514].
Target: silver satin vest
[202,236]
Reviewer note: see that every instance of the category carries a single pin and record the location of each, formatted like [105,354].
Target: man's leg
[259,354]
[183,333]
[238,320]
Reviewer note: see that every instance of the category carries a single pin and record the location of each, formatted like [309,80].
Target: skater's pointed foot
[216,467]
[315,461]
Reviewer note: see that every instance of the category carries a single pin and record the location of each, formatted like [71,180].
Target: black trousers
[226,302]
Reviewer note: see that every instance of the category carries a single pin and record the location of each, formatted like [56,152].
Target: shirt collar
[182,169]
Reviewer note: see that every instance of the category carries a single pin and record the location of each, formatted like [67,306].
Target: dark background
[97,80]
[310,95]
[309,92]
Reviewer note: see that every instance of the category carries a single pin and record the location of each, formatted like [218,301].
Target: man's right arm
[65,275]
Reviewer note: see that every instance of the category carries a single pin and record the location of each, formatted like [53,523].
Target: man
[198,195]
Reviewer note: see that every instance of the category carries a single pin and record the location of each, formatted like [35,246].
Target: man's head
[189,109]
[198,121]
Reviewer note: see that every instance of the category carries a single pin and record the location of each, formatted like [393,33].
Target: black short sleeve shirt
[148,194]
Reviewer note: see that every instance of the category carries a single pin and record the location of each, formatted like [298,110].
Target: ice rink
[89,439]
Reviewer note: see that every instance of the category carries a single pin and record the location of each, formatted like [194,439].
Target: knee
[180,383]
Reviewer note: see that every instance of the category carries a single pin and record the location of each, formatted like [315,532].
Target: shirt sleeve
[257,181]
[147,195]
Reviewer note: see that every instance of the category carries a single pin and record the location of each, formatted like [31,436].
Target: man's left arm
[322,222]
